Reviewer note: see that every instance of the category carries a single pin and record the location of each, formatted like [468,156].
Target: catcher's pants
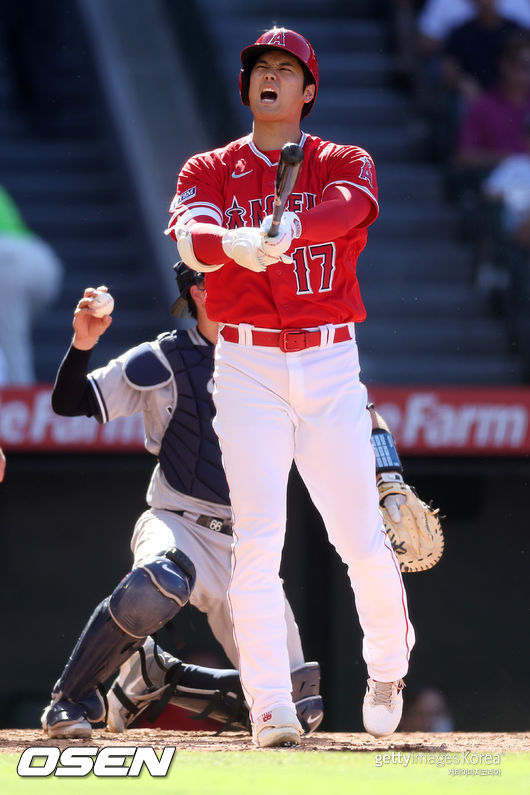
[158,530]
[310,406]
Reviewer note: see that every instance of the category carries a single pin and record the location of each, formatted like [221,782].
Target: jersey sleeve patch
[183,197]
[144,370]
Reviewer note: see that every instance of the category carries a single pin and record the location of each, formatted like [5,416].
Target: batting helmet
[280,39]
[186,278]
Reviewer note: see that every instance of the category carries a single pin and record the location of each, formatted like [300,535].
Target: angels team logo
[235,214]
[366,172]
[278,40]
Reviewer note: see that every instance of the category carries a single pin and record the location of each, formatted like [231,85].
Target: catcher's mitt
[413,527]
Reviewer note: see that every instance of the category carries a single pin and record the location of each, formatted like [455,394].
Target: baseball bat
[291,160]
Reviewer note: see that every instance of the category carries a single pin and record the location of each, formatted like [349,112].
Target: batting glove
[289,229]
[245,246]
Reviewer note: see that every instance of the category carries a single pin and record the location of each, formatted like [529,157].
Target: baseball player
[182,543]
[150,679]
[287,375]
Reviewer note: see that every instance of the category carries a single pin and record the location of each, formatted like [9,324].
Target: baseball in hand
[102,304]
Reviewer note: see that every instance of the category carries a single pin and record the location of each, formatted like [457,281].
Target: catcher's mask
[280,39]
[186,278]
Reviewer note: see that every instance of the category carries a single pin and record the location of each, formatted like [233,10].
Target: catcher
[182,543]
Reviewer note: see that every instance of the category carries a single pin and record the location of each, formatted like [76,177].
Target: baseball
[102,304]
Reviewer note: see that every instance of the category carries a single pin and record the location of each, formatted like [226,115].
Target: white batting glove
[392,501]
[245,246]
[289,228]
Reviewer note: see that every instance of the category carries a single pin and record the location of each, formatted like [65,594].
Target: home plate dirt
[16,740]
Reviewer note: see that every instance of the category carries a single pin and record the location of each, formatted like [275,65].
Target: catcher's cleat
[64,719]
[310,713]
[277,727]
[382,707]
[306,696]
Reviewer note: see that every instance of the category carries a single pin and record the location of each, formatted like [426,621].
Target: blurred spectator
[494,128]
[426,711]
[30,279]
[504,270]
[471,53]
[469,65]
[454,39]
[494,124]
[439,17]
[509,185]
[2,464]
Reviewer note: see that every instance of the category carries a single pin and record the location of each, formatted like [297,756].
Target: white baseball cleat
[382,707]
[277,726]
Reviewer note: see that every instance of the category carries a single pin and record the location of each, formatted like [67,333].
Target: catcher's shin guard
[77,700]
[100,650]
[148,597]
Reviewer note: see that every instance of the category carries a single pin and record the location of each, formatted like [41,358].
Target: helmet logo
[278,40]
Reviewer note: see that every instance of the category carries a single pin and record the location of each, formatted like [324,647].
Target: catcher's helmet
[186,278]
[280,39]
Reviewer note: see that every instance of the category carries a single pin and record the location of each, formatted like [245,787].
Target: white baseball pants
[158,530]
[273,407]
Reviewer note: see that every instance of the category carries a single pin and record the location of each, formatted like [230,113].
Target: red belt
[289,340]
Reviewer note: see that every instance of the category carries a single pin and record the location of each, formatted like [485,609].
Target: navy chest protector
[190,456]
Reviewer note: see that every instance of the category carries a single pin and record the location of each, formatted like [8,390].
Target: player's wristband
[386,455]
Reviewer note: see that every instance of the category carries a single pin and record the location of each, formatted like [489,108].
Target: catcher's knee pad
[151,594]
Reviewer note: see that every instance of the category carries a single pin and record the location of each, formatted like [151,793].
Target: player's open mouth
[268,95]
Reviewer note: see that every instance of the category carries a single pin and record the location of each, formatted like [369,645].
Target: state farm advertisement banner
[456,420]
[28,423]
[424,421]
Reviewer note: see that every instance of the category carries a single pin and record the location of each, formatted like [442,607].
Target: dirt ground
[16,740]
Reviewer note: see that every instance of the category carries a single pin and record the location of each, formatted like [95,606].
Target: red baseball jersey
[234,187]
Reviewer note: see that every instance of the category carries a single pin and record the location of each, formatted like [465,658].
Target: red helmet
[280,39]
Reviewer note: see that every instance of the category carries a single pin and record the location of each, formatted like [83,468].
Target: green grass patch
[284,772]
